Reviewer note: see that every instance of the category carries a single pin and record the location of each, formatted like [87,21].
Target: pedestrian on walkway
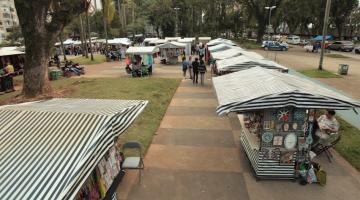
[202,70]
[195,66]
[190,68]
[185,65]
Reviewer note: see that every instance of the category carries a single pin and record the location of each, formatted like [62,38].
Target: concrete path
[197,155]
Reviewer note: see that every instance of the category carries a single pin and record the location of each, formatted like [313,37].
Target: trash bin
[55,74]
[343,69]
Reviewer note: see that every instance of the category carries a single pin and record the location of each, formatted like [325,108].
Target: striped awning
[233,52]
[258,88]
[222,47]
[243,62]
[49,148]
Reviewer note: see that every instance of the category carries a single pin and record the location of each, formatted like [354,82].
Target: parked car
[274,45]
[357,50]
[293,39]
[304,42]
[342,46]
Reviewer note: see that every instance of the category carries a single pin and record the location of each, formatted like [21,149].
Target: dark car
[342,46]
[274,45]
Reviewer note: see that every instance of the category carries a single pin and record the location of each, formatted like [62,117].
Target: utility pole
[324,33]
[177,21]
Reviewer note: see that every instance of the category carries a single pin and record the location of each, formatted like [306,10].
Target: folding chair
[326,145]
[135,162]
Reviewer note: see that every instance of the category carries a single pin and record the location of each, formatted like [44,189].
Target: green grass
[248,44]
[159,92]
[336,56]
[314,73]
[87,61]
[349,145]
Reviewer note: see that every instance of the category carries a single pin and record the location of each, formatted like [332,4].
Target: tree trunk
[260,31]
[89,33]
[339,29]
[83,36]
[36,66]
[62,46]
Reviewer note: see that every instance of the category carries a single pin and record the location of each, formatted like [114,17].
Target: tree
[15,36]
[340,12]
[41,22]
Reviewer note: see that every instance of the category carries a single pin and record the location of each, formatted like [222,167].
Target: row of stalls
[277,110]
[63,148]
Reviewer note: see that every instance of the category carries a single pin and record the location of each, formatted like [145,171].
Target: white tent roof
[172,38]
[222,47]
[243,62]
[68,42]
[258,88]
[159,41]
[142,50]
[150,39]
[229,53]
[123,41]
[187,40]
[9,51]
[220,41]
[172,45]
[204,38]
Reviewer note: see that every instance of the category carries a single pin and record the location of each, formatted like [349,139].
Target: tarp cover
[142,50]
[9,51]
[229,53]
[220,41]
[243,62]
[172,45]
[122,41]
[258,88]
[49,148]
[222,47]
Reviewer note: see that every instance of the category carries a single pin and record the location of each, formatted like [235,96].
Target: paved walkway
[197,155]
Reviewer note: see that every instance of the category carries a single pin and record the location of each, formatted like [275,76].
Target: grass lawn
[248,44]
[336,56]
[349,145]
[314,73]
[159,92]
[87,61]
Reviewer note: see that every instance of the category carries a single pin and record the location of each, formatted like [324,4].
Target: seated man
[328,125]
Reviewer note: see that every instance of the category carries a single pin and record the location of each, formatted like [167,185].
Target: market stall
[171,51]
[147,41]
[142,60]
[222,47]
[243,62]
[63,148]
[204,40]
[13,55]
[277,116]
[172,39]
[220,41]
[157,42]
[189,42]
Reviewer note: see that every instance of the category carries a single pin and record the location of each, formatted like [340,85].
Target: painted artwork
[271,153]
[283,115]
[278,140]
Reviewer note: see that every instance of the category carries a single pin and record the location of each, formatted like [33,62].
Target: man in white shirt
[328,125]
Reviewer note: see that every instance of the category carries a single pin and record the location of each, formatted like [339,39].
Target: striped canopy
[243,62]
[222,47]
[258,88]
[233,52]
[49,148]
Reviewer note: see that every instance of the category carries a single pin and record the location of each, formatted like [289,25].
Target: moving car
[357,50]
[274,45]
[342,46]
[293,39]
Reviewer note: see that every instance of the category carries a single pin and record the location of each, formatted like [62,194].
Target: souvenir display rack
[275,140]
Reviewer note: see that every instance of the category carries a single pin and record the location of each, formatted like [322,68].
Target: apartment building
[8,18]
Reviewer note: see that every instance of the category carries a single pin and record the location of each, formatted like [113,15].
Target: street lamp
[270,9]
[176,23]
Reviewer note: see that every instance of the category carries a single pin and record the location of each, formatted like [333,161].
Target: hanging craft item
[278,140]
[267,137]
[271,153]
[278,127]
[302,143]
[309,138]
[286,127]
[294,126]
[299,115]
[283,115]
[267,125]
[290,141]
[286,157]
[272,125]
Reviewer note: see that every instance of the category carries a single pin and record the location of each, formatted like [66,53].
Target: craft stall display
[277,116]
[170,52]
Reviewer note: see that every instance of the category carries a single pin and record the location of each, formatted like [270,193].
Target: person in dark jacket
[195,66]
[202,70]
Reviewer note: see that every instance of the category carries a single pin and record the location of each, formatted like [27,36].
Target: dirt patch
[61,93]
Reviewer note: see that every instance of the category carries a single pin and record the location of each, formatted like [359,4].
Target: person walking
[195,66]
[202,70]
[190,68]
[185,65]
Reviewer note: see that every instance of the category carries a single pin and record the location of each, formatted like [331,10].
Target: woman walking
[190,68]
[202,70]
[195,66]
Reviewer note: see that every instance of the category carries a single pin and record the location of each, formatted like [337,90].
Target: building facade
[8,18]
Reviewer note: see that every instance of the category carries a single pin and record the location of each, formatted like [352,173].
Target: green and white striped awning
[49,148]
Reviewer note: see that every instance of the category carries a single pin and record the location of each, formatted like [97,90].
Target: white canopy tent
[243,62]
[169,39]
[170,51]
[120,41]
[220,41]
[142,50]
[172,45]
[158,41]
[150,39]
[204,39]
[258,88]
[188,42]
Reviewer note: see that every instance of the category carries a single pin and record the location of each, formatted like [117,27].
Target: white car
[293,39]
[357,50]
